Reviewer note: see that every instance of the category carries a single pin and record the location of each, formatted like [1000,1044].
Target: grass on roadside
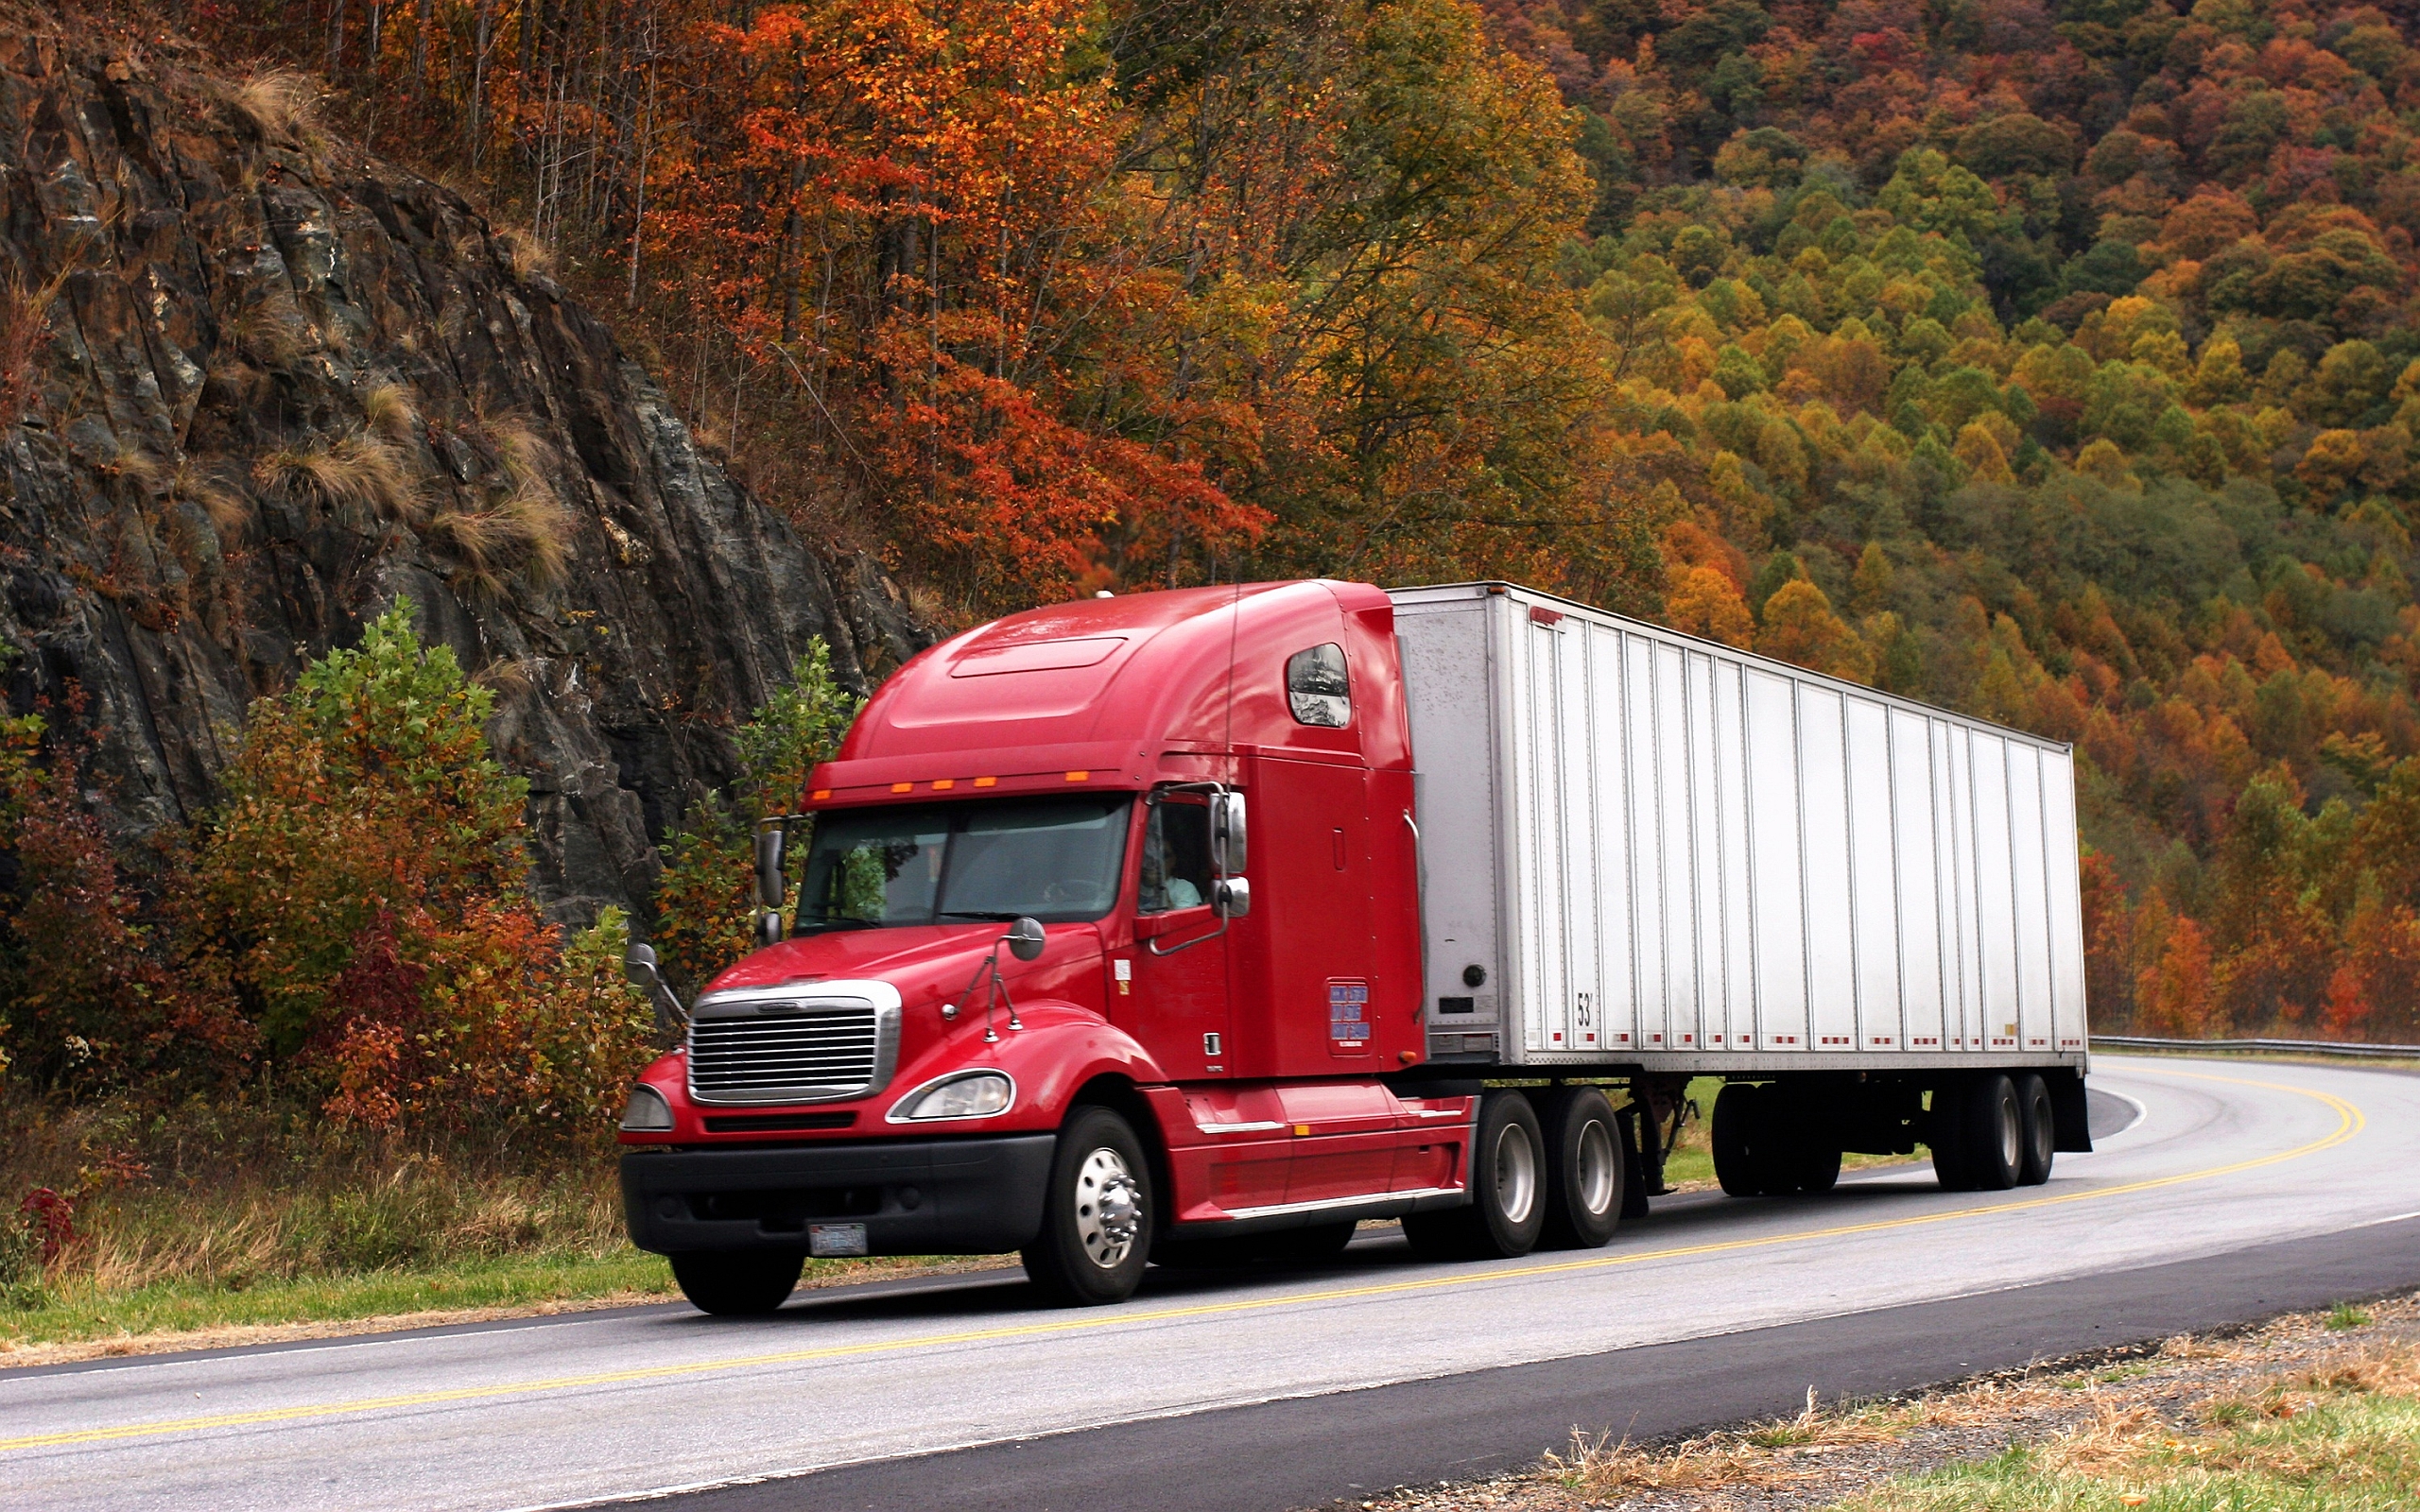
[2297,1417]
[2343,1436]
[80,1310]
[223,1221]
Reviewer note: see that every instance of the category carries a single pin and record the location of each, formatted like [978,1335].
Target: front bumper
[963,1196]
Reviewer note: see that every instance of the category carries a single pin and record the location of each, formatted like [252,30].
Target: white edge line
[2141,1113]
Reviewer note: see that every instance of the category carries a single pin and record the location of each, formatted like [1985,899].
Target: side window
[1176,856]
[1317,687]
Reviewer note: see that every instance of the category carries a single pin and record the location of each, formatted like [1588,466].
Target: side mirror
[1227,829]
[638,964]
[771,886]
[1231,897]
[1026,939]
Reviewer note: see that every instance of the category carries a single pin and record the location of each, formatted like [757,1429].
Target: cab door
[1180,945]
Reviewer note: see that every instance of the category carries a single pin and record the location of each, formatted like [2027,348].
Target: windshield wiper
[973,913]
[839,924]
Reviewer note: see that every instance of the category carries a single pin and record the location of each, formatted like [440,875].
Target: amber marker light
[1079,777]
[819,795]
[942,784]
[986,781]
[902,787]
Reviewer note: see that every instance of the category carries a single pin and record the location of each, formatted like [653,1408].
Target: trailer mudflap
[2070,1118]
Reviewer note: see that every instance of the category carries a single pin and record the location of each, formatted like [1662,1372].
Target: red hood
[939,957]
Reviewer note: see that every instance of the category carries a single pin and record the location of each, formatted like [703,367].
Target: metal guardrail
[2296,1047]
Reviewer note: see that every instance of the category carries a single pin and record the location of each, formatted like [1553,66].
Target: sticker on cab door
[1348,1017]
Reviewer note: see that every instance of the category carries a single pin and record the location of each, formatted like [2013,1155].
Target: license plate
[834,1239]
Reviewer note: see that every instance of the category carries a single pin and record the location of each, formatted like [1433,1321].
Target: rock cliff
[254,385]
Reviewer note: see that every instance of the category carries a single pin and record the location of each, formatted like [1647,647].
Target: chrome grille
[757,1048]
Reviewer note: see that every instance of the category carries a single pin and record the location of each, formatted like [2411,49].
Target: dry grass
[268,332]
[524,252]
[524,532]
[132,464]
[280,103]
[356,472]
[1758,1453]
[24,334]
[228,511]
[389,411]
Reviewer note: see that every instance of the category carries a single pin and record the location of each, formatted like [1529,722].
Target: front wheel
[738,1283]
[1508,1208]
[1095,1234]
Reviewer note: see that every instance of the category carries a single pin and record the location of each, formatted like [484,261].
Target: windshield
[1056,859]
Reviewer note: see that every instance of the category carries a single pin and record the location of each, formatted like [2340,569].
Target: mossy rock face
[276,384]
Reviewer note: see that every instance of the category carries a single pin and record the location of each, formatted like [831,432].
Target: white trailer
[1650,855]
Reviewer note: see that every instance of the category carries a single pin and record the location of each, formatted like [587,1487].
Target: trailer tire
[1508,1205]
[2040,1127]
[1586,1169]
[1742,1163]
[1095,1235]
[1993,1126]
[1818,1166]
[737,1283]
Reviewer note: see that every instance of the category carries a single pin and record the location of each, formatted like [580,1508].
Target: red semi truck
[1045,988]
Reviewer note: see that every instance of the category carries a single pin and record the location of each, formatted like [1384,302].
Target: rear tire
[1734,1140]
[2041,1129]
[1993,1123]
[1095,1235]
[738,1283]
[1508,1205]
[1586,1169]
[1818,1167]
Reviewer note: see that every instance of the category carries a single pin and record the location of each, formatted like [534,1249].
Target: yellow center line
[2350,1122]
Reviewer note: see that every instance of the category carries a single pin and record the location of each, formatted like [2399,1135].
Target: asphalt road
[2242,1190]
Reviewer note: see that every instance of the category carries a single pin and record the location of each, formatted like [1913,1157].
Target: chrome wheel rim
[1596,1167]
[1109,1207]
[1516,1174]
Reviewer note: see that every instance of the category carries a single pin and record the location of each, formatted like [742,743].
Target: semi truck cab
[1196,806]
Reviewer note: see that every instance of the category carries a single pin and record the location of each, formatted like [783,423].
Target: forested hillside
[2053,362]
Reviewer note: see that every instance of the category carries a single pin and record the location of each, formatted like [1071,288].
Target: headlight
[647,1112]
[965,1094]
